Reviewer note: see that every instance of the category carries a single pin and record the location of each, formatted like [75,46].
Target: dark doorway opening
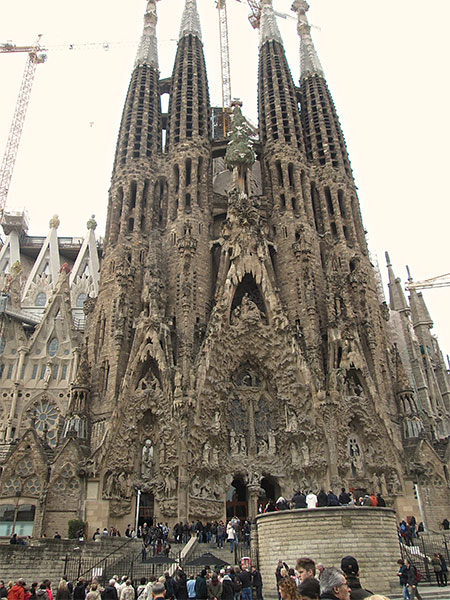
[270,490]
[146,509]
[237,500]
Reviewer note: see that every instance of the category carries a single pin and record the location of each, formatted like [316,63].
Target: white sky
[386,62]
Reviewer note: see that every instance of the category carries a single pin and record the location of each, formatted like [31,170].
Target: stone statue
[242,444]
[233,443]
[206,453]
[263,447]
[272,443]
[305,453]
[294,453]
[147,458]
[249,310]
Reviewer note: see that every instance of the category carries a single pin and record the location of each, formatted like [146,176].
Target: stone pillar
[253,495]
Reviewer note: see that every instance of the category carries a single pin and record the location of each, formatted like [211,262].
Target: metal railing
[421,550]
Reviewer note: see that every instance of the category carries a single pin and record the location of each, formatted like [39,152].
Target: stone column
[253,495]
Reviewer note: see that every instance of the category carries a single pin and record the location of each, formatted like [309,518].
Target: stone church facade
[236,344]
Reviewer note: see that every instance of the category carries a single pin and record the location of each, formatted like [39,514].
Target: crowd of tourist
[302,499]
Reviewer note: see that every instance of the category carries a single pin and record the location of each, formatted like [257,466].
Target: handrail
[97,564]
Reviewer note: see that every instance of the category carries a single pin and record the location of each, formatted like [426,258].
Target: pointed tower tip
[148,47]
[190,22]
[309,59]
[388,259]
[268,30]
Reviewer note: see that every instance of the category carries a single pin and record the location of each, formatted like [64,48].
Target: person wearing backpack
[413,580]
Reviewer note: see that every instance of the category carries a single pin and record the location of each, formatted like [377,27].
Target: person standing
[413,581]
[246,580]
[437,568]
[257,583]
[444,569]
[403,577]
[333,585]
[214,588]
[311,500]
[201,590]
[350,567]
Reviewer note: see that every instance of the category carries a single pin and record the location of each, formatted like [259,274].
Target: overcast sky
[386,62]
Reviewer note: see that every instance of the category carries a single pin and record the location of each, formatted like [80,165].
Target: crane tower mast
[15,132]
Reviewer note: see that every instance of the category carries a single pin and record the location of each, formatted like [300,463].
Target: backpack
[237,584]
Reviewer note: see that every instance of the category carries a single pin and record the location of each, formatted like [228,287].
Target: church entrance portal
[270,490]
[237,500]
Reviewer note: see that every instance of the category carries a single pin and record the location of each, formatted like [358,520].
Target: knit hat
[349,565]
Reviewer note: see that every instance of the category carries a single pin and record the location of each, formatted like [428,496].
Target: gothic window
[40,299]
[11,487]
[81,299]
[53,346]
[31,487]
[25,467]
[2,344]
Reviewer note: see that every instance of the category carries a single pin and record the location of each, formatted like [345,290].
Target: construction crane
[434,282]
[15,132]
[35,57]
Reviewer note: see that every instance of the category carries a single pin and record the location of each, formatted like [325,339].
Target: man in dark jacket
[332,499]
[180,588]
[201,589]
[257,583]
[246,580]
[344,497]
[350,566]
[322,499]
[299,500]
[169,584]
[413,582]
[110,592]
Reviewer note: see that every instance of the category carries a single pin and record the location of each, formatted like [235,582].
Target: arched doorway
[237,500]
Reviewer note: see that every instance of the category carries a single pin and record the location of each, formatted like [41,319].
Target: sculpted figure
[294,453]
[272,443]
[242,444]
[147,458]
[233,443]
[206,452]
[263,447]
[249,310]
[305,453]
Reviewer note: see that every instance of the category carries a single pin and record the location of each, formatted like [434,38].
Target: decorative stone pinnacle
[268,30]
[190,22]
[148,48]
[240,155]
[309,60]
[54,222]
[92,223]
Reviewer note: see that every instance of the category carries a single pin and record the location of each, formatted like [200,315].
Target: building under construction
[234,343]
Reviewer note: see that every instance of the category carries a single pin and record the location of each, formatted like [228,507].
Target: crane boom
[15,132]
[432,282]
[224,54]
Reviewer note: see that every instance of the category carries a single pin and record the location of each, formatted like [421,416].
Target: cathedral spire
[190,22]
[309,60]
[397,300]
[268,26]
[148,47]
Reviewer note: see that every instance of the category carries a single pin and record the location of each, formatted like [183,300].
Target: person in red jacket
[373,500]
[17,592]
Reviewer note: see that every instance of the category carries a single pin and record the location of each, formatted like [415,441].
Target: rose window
[25,467]
[11,487]
[31,487]
[73,485]
[45,420]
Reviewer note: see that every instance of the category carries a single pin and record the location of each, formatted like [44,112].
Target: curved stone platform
[328,534]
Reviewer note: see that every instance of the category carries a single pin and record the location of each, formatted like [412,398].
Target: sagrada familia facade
[229,340]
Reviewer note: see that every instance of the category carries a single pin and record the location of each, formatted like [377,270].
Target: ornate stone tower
[239,347]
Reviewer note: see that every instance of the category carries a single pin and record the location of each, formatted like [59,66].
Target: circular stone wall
[328,534]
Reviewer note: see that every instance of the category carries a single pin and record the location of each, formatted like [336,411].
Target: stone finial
[190,22]
[92,223]
[148,47]
[54,222]
[268,30]
[309,59]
